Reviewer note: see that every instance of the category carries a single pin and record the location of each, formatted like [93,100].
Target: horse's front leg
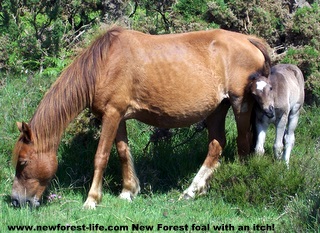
[131,185]
[217,140]
[110,123]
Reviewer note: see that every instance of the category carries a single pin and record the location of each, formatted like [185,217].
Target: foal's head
[34,169]
[262,91]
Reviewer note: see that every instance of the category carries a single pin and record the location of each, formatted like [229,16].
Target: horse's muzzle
[18,202]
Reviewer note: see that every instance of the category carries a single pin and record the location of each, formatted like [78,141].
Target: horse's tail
[267,61]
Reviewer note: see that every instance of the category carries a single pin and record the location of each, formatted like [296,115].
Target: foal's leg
[289,138]
[262,127]
[110,123]
[217,140]
[131,185]
[280,130]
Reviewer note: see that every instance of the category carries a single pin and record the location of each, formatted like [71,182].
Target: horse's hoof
[126,196]
[186,196]
[89,205]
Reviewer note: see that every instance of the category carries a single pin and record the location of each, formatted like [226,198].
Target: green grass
[260,192]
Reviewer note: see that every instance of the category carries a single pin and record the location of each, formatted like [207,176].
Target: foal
[283,89]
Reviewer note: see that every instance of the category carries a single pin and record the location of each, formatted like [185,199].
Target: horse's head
[34,169]
[261,89]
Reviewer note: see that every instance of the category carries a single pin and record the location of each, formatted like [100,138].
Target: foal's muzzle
[269,112]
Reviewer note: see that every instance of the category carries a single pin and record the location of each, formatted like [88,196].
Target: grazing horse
[280,98]
[165,80]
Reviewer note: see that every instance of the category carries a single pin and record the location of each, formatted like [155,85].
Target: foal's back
[288,86]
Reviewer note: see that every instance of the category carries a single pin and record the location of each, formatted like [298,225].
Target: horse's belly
[173,112]
[164,120]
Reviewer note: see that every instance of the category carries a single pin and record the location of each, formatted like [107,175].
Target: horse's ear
[25,130]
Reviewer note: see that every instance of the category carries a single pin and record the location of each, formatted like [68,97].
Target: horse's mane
[73,91]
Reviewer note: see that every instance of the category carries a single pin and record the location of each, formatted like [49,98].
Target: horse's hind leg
[217,140]
[131,185]
[289,137]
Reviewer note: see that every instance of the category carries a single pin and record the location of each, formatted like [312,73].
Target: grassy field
[261,195]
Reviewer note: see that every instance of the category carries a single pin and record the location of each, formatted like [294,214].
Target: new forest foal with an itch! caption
[166,81]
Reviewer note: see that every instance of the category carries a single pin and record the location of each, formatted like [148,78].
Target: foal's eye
[270,88]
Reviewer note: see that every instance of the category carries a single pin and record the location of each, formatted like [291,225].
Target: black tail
[267,64]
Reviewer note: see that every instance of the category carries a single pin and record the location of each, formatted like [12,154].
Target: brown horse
[166,81]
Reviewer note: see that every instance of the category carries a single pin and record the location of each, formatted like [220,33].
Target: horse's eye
[23,162]
[270,88]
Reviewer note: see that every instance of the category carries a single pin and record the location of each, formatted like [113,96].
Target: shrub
[307,58]
[305,27]
[242,184]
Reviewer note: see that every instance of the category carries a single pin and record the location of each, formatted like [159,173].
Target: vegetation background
[39,38]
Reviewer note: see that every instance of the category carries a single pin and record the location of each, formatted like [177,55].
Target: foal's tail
[267,61]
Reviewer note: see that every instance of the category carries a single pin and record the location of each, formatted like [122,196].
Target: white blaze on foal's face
[263,93]
[261,85]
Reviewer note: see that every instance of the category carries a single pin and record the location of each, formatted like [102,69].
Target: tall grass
[260,191]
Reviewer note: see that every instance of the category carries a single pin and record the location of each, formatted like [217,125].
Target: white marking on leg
[126,195]
[90,204]
[260,143]
[262,128]
[200,183]
[261,85]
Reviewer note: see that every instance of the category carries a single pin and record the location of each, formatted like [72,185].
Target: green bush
[243,184]
[305,27]
[191,9]
[307,58]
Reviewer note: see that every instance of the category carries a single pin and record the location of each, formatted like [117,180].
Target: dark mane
[262,46]
[73,91]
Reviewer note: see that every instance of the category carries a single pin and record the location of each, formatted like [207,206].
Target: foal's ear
[25,130]
[252,78]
